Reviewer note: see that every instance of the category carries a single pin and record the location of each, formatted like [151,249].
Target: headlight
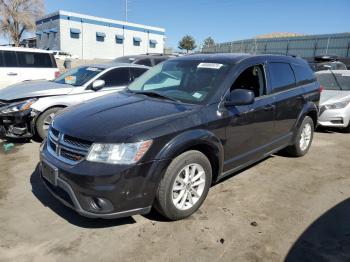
[18,107]
[118,153]
[338,105]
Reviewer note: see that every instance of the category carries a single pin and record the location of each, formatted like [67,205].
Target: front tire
[303,139]
[44,120]
[184,186]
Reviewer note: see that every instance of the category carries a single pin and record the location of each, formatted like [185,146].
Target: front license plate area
[49,172]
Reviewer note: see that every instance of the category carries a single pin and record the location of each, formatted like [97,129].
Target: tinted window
[26,59]
[146,62]
[136,72]
[1,60]
[334,81]
[303,74]
[282,76]
[10,59]
[116,77]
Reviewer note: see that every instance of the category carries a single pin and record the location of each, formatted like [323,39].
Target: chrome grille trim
[69,149]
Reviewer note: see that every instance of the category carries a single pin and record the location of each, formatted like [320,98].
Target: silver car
[27,109]
[335,98]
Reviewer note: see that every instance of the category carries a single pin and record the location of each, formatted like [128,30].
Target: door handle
[12,74]
[269,107]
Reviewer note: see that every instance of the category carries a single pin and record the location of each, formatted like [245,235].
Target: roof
[230,58]
[114,65]
[61,14]
[24,49]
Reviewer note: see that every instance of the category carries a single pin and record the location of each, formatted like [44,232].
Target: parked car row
[168,133]
[28,108]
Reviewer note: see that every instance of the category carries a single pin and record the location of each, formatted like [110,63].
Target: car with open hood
[183,125]
[335,99]
[27,109]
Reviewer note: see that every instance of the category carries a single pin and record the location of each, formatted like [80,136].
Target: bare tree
[18,16]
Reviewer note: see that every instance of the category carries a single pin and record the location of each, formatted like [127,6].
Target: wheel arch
[201,140]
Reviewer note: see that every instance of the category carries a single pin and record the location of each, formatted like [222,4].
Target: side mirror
[97,85]
[240,97]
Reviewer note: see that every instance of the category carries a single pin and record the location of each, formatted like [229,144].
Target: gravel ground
[281,209]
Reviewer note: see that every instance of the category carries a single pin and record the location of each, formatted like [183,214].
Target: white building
[92,37]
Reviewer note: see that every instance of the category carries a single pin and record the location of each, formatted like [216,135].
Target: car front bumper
[17,124]
[129,190]
[334,117]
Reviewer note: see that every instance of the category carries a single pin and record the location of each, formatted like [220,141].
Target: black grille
[77,142]
[52,145]
[66,148]
[55,132]
[71,155]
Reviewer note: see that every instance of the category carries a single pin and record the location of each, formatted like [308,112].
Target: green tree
[187,43]
[208,42]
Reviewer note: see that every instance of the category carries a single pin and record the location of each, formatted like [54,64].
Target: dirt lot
[293,209]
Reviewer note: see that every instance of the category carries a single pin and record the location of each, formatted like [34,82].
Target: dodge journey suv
[178,128]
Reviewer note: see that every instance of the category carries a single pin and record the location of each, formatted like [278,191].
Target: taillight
[321,88]
[57,74]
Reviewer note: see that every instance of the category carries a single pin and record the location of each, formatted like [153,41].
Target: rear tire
[303,139]
[184,186]
[44,120]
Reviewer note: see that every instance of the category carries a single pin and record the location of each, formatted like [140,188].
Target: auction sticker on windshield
[93,69]
[210,65]
[70,80]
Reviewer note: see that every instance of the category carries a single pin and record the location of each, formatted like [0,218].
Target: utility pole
[126,10]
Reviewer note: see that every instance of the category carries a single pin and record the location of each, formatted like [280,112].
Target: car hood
[119,116]
[333,96]
[32,89]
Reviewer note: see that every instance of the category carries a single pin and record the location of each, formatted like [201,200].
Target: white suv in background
[22,64]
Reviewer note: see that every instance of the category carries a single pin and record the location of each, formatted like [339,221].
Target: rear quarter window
[282,76]
[10,59]
[37,60]
[303,74]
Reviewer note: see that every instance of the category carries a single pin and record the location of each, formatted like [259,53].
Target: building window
[153,43]
[38,35]
[75,33]
[137,41]
[119,39]
[100,37]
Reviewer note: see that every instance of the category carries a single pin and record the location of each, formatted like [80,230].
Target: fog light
[101,205]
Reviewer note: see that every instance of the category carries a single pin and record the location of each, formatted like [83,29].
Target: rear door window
[282,76]
[116,77]
[136,72]
[1,60]
[39,60]
[10,59]
[146,62]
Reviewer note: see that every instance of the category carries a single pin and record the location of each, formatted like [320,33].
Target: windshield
[124,59]
[185,81]
[334,81]
[78,76]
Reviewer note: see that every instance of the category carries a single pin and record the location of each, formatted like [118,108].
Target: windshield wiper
[156,94]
